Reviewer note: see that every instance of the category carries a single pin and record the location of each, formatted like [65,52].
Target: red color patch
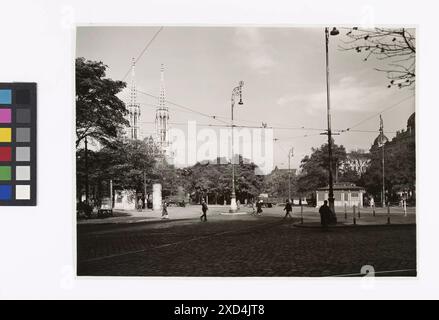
[5,154]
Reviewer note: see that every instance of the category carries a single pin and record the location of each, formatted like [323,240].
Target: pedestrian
[204,208]
[252,206]
[325,214]
[372,202]
[139,205]
[288,208]
[238,204]
[165,210]
[259,207]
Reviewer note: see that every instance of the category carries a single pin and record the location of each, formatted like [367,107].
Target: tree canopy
[214,179]
[315,167]
[100,114]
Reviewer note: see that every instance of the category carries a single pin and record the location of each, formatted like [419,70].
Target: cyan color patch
[5,96]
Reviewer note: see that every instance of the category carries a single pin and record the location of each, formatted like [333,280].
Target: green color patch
[5,173]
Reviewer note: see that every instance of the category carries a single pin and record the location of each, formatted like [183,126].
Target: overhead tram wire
[297,137]
[143,51]
[154,106]
[218,118]
[349,129]
[184,107]
[368,131]
[226,125]
[279,126]
[229,126]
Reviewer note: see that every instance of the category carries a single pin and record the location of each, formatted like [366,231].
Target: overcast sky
[284,74]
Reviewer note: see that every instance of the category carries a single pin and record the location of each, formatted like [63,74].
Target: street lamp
[290,155]
[237,91]
[334,32]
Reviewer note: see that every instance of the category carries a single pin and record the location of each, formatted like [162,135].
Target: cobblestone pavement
[242,246]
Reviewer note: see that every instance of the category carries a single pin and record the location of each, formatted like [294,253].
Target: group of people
[325,211]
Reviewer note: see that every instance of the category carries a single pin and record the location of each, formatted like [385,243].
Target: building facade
[344,194]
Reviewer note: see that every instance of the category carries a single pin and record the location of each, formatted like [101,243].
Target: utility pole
[111,193]
[383,192]
[86,170]
[334,32]
[290,155]
[144,189]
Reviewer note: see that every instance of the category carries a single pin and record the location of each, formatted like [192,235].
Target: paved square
[241,246]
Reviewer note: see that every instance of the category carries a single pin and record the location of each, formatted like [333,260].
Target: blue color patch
[5,192]
[5,96]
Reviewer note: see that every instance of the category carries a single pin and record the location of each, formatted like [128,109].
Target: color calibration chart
[18,144]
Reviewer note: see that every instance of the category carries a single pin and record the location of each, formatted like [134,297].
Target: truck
[268,201]
[176,201]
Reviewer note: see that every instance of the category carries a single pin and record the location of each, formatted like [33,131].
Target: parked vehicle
[269,202]
[106,208]
[176,201]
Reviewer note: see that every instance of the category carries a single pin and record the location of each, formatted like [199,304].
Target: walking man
[204,207]
[259,207]
[288,208]
[165,210]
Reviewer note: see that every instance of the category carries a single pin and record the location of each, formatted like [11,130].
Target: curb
[318,226]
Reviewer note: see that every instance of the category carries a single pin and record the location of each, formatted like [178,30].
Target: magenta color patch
[5,115]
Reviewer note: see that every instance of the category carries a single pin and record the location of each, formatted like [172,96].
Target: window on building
[337,196]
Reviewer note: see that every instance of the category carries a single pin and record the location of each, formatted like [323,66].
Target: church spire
[133,83]
[133,107]
[162,115]
[162,98]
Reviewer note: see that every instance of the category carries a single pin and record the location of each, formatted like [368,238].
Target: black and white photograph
[246,151]
[218,159]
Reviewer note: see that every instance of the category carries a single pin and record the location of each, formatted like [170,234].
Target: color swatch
[18,144]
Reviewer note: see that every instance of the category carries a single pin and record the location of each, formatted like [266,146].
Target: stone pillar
[157,196]
[317,199]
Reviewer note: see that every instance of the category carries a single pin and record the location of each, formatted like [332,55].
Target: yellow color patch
[5,135]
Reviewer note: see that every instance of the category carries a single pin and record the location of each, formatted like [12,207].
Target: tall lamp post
[333,32]
[290,155]
[382,142]
[237,92]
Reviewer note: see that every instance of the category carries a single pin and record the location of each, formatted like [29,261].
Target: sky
[283,70]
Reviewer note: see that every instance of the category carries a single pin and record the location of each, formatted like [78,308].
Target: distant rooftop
[342,186]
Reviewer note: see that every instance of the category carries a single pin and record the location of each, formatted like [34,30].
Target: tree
[276,184]
[397,46]
[354,167]
[100,114]
[126,162]
[132,159]
[213,179]
[315,167]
